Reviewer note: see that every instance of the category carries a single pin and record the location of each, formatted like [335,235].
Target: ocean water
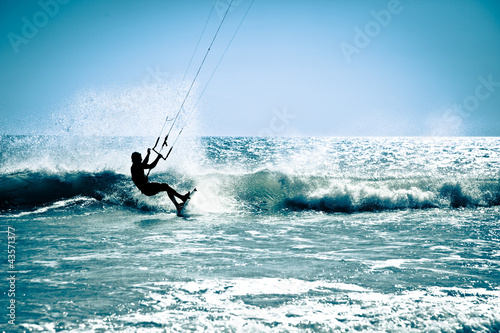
[283,235]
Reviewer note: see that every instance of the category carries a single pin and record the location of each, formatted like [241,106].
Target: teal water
[284,235]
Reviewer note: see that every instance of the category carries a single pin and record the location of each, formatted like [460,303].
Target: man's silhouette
[141,180]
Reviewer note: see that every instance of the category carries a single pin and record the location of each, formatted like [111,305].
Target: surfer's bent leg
[151,189]
[173,193]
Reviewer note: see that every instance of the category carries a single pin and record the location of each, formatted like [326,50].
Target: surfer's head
[136,157]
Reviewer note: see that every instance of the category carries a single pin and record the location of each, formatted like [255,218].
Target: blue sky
[315,68]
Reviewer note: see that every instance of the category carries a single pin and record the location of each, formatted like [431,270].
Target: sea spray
[287,234]
[250,174]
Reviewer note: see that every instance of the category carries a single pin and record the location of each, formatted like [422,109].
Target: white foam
[292,305]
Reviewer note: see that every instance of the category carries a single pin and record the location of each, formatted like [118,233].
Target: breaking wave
[26,189]
[261,191]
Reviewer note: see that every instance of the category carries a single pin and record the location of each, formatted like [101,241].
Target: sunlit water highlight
[284,235]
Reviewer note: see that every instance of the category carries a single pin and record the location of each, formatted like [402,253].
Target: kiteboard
[181,207]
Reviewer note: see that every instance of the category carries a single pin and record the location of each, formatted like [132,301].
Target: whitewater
[298,234]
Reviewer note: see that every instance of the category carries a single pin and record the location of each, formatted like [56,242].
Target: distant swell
[262,191]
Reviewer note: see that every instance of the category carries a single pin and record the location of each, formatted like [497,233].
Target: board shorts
[151,189]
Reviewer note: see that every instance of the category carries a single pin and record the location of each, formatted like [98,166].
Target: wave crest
[266,190]
[262,191]
[27,189]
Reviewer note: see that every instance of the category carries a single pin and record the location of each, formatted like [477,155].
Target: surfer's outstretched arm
[152,165]
[145,164]
[146,159]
